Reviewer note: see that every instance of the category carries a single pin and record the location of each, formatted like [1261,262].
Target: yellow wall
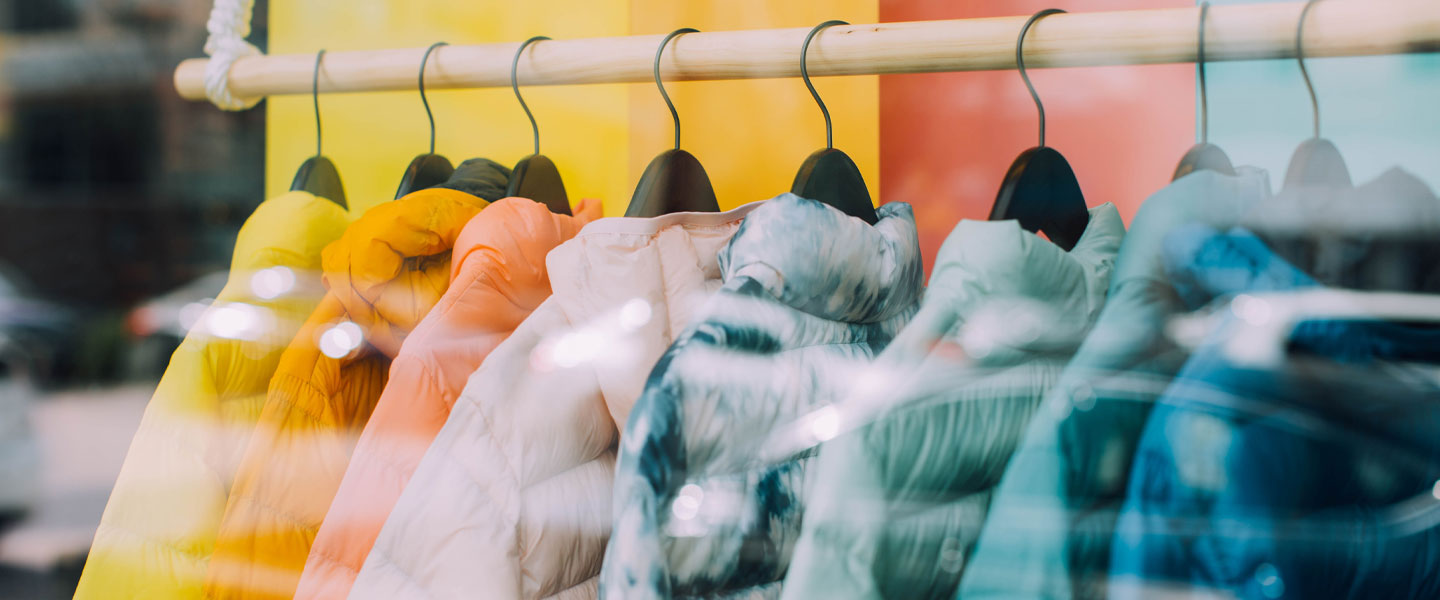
[750,135]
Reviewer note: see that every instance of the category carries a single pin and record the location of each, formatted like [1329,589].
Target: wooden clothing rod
[1134,37]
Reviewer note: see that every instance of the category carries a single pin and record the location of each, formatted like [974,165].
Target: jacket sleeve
[488,507]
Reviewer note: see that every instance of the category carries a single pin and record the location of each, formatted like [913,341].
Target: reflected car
[158,325]
[45,333]
[19,453]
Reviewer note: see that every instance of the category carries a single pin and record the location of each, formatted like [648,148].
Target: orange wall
[946,139]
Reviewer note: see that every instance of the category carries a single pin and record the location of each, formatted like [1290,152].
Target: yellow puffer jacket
[383,275]
[159,527]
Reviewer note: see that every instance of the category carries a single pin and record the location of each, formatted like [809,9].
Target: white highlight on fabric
[271,283]
[635,314]
[342,339]
[687,504]
[825,424]
[237,321]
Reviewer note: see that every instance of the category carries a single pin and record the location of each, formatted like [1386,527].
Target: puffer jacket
[512,500]
[1048,531]
[159,528]
[896,506]
[1298,481]
[810,294]
[383,275]
[498,277]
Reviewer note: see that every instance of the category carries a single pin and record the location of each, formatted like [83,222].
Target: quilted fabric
[809,295]
[1050,522]
[159,528]
[1300,481]
[512,500]
[383,275]
[897,505]
[498,277]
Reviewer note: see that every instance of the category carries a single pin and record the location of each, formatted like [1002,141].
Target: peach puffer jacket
[383,275]
[159,527]
[498,277]
[512,500]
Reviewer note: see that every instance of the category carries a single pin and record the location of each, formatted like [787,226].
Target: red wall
[946,139]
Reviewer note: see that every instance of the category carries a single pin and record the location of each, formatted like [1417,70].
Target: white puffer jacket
[512,500]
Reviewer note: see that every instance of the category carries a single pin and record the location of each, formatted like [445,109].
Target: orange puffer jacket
[384,274]
[498,278]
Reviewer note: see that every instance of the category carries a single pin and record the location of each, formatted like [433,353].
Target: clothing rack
[1135,37]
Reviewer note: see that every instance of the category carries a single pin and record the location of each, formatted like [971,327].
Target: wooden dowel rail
[1135,37]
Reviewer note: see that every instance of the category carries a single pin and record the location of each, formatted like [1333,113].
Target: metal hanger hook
[805,75]
[1200,71]
[515,85]
[675,116]
[423,99]
[1305,73]
[1020,63]
[315,98]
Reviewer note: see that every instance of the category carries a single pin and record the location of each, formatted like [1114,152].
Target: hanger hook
[659,53]
[515,85]
[1305,73]
[805,75]
[424,100]
[1200,71]
[1020,62]
[315,98]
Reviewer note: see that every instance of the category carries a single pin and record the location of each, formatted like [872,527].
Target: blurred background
[119,202]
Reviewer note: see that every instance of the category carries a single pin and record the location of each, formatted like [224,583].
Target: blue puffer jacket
[1051,519]
[809,295]
[1313,480]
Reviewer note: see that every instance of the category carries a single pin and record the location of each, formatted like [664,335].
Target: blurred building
[112,188]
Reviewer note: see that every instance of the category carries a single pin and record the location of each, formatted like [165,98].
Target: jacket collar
[820,261]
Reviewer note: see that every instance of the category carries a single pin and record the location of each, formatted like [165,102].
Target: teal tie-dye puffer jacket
[810,295]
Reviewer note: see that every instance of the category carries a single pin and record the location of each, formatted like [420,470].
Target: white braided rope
[229,25]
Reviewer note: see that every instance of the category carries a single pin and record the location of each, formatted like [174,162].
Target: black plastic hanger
[1203,156]
[1317,161]
[674,181]
[1040,190]
[318,174]
[535,176]
[828,175]
[430,169]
